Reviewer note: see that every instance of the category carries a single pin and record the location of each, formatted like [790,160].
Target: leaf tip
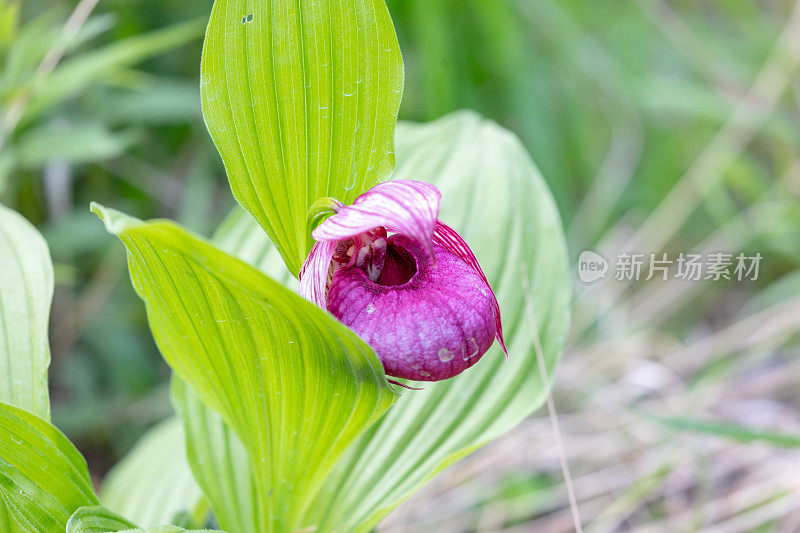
[116,222]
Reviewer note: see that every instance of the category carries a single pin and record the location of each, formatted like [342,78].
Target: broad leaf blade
[26,290]
[99,520]
[96,519]
[294,384]
[153,483]
[301,99]
[219,461]
[218,458]
[43,478]
[240,236]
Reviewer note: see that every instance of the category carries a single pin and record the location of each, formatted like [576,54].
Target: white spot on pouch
[467,351]
[445,355]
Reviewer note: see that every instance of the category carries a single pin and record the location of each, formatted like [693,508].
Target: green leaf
[99,520]
[26,290]
[219,461]
[301,99]
[169,529]
[736,432]
[96,519]
[494,196]
[240,235]
[296,386]
[43,478]
[8,524]
[153,483]
[218,458]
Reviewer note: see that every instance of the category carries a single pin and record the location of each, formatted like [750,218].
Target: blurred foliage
[615,102]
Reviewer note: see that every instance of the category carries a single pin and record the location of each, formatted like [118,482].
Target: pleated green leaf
[100,520]
[153,483]
[240,236]
[43,478]
[218,458]
[219,461]
[301,100]
[295,385]
[7,524]
[96,519]
[494,196]
[26,290]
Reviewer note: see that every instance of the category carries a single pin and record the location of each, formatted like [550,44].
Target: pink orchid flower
[404,281]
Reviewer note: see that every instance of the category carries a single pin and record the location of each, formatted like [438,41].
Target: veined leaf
[96,519]
[7,524]
[219,461]
[301,99]
[296,386]
[240,236]
[169,529]
[43,478]
[153,483]
[99,520]
[26,290]
[494,196]
[218,458]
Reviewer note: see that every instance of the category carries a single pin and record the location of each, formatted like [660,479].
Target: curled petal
[403,206]
[450,240]
[315,272]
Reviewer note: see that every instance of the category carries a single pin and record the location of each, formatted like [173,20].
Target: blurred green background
[678,401]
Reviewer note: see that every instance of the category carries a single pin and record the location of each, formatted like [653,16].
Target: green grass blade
[43,478]
[728,430]
[294,384]
[301,99]
[77,73]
